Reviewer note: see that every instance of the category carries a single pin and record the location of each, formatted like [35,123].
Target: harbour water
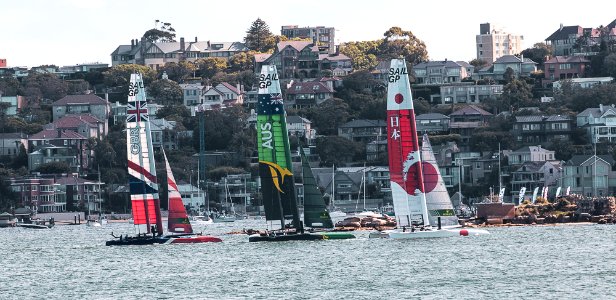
[548,262]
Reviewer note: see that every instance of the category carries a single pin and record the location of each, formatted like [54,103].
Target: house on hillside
[565,67]
[10,143]
[465,120]
[308,94]
[223,95]
[600,123]
[439,72]
[522,67]
[542,129]
[590,175]
[433,123]
[363,130]
[530,154]
[81,104]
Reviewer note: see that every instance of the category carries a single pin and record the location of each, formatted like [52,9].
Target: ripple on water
[517,262]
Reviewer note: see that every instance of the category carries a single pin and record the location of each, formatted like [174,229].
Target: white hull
[432,233]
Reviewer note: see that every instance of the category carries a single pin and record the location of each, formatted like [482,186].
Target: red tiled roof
[74,121]
[309,87]
[80,99]
[470,110]
[232,88]
[261,57]
[48,134]
[567,59]
[297,45]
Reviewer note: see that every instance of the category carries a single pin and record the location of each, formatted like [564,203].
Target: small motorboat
[201,220]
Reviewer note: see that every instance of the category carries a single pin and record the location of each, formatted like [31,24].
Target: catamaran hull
[193,240]
[417,234]
[138,240]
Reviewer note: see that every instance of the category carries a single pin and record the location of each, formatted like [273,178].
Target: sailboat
[143,185]
[438,202]
[406,169]
[275,168]
[178,222]
[223,216]
[316,215]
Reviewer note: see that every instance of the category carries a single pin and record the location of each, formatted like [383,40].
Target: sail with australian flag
[275,169]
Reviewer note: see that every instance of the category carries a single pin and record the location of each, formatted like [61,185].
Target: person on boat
[403,228]
[153,229]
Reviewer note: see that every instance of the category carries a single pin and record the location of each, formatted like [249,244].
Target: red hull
[194,240]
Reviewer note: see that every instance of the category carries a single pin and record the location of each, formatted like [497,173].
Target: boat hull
[417,234]
[196,239]
[336,235]
[137,240]
[286,237]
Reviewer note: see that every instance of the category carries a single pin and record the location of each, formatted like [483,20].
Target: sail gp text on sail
[395,74]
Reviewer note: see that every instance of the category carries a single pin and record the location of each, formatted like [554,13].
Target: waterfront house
[590,175]
[532,174]
[600,123]
[39,194]
[466,92]
[582,82]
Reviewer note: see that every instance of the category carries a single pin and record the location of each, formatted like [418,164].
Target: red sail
[178,219]
[140,213]
[403,150]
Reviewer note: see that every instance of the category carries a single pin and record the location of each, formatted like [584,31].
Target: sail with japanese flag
[141,169]
[177,221]
[405,167]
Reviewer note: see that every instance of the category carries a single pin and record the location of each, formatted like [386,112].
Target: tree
[538,53]
[509,75]
[44,85]
[9,86]
[362,54]
[119,77]
[403,43]
[339,151]
[9,199]
[609,64]
[259,37]
[328,116]
[518,94]
[54,167]
[178,71]
[165,33]
[242,61]
[208,67]
[166,92]
[478,63]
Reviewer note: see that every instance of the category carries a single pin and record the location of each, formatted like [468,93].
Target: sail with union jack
[141,168]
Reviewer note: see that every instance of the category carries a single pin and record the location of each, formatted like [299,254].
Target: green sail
[275,169]
[315,211]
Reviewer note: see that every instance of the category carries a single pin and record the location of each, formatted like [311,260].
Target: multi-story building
[323,37]
[164,134]
[364,131]
[563,40]
[590,175]
[222,95]
[192,94]
[582,82]
[39,194]
[439,72]
[86,125]
[81,104]
[156,55]
[2,62]
[466,92]
[86,67]
[192,197]
[81,194]
[532,174]
[15,103]
[542,129]
[308,94]
[376,150]
[58,145]
[493,42]
[10,143]
[522,67]
[467,119]
[432,123]
[600,123]
[530,154]
[300,59]
[565,67]
[302,128]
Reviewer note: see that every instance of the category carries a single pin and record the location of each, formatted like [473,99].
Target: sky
[70,32]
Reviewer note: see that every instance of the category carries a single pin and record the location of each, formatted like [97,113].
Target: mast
[500,183]
[405,165]
[333,198]
[363,178]
[594,176]
[141,167]
[275,166]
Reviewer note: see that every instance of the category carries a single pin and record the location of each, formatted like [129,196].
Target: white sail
[501,195]
[438,201]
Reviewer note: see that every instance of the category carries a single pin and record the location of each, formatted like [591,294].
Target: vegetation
[259,37]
